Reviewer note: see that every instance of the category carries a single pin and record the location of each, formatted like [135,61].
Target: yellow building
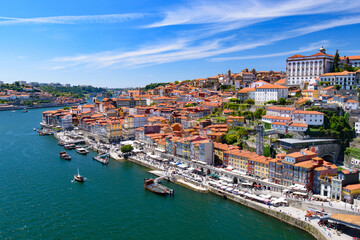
[220,149]
[261,167]
[234,121]
[351,192]
[310,94]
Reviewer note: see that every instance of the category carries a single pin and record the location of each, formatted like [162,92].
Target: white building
[354,60]
[345,79]
[270,92]
[280,111]
[357,128]
[300,68]
[66,122]
[308,117]
[351,105]
[298,127]
[258,84]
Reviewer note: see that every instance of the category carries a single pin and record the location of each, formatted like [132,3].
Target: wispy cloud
[311,47]
[229,11]
[108,18]
[213,32]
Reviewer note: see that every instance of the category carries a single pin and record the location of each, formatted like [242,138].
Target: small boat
[152,186]
[65,156]
[101,159]
[81,150]
[70,146]
[61,143]
[13,111]
[25,111]
[34,129]
[78,177]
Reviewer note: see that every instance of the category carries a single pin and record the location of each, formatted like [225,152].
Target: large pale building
[300,68]
[270,92]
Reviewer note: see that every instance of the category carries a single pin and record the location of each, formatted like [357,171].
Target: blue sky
[116,43]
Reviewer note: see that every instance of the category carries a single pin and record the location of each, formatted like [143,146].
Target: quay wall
[306,205]
[278,215]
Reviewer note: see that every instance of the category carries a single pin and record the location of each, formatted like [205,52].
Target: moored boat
[81,150]
[152,186]
[61,143]
[65,156]
[78,177]
[69,146]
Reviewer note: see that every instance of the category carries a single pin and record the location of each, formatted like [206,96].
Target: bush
[127,148]
[250,101]
[259,113]
[271,102]
[282,101]
[230,138]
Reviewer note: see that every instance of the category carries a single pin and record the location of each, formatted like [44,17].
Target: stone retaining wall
[280,216]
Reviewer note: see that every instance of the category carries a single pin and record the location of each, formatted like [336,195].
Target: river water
[38,200]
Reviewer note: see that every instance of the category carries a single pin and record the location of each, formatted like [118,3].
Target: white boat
[81,150]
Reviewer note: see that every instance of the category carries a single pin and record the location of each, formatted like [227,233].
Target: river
[38,200]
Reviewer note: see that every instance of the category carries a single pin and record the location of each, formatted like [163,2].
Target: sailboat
[78,177]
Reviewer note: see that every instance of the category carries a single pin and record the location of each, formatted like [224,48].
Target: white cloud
[229,11]
[311,47]
[108,18]
[209,20]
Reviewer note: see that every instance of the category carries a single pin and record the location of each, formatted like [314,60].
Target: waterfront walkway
[200,183]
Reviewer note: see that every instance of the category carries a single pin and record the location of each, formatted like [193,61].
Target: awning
[214,175]
[229,168]
[300,193]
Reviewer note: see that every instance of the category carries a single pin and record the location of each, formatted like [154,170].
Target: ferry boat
[102,159]
[65,156]
[81,150]
[78,177]
[69,146]
[152,186]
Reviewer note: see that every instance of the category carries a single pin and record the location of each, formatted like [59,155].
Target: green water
[39,201]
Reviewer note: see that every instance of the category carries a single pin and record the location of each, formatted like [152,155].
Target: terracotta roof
[281,108]
[246,90]
[271,86]
[337,73]
[352,187]
[352,101]
[298,125]
[297,56]
[350,57]
[281,81]
[307,112]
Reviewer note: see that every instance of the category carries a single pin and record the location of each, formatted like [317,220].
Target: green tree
[230,138]
[66,108]
[189,105]
[250,101]
[336,61]
[176,82]
[127,148]
[337,87]
[235,100]
[259,113]
[282,101]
